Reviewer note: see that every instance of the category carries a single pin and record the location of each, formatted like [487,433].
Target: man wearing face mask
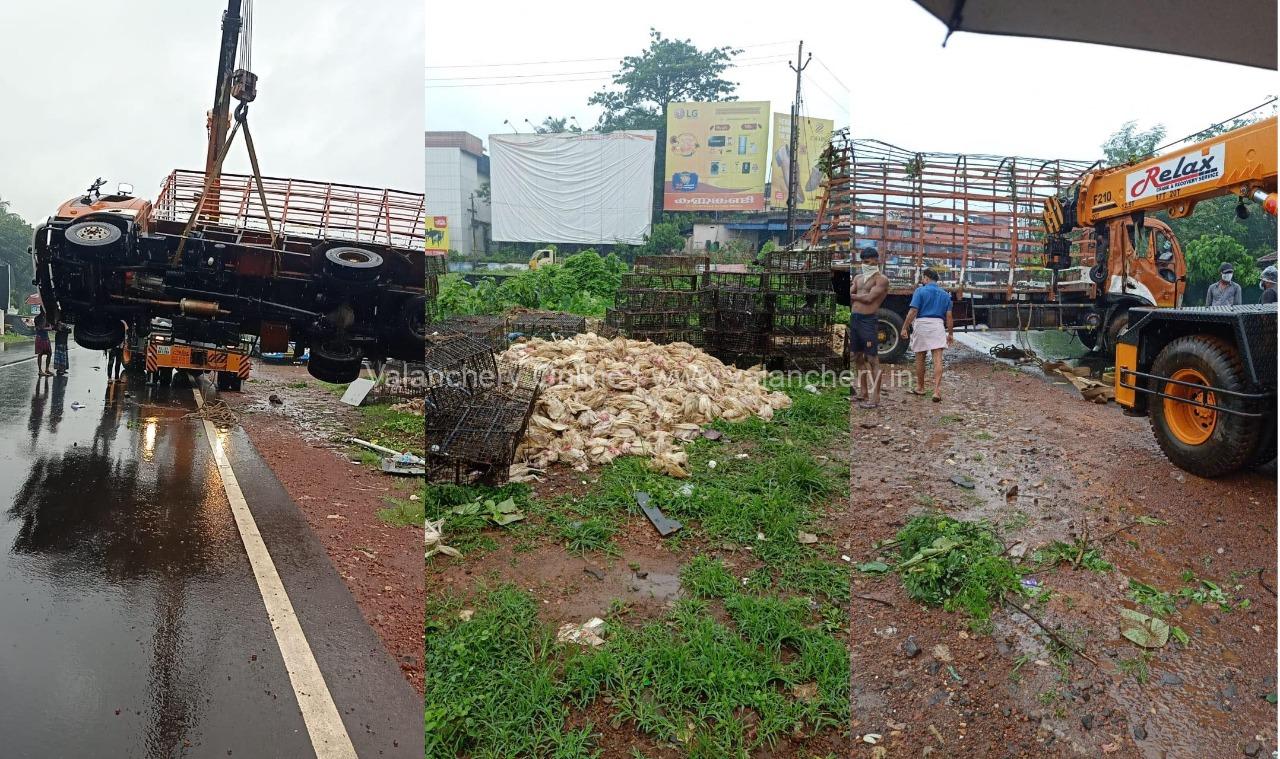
[1224,292]
[866,292]
[1268,284]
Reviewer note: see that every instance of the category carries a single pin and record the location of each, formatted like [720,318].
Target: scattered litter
[522,472]
[963,481]
[712,434]
[357,391]
[275,400]
[805,691]
[435,540]
[845,557]
[811,389]
[872,738]
[686,490]
[466,614]
[711,464]
[1030,582]
[664,524]
[334,516]
[942,653]
[585,634]
[872,567]
[807,538]
[396,462]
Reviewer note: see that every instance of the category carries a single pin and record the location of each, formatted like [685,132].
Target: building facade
[457,187]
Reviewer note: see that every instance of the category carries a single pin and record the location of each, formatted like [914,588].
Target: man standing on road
[1224,292]
[930,315]
[1269,284]
[866,292]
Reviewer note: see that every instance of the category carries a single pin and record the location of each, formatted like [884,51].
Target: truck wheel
[1109,335]
[412,323]
[889,336]
[224,381]
[236,383]
[1202,441]
[92,234]
[164,376]
[98,335]
[353,264]
[1266,452]
[336,363]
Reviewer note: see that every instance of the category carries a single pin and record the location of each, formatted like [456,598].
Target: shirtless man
[867,291]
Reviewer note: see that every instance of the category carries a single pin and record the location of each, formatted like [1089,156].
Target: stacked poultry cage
[547,325]
[477,409]
[488,329]
[435,267]
[663,300]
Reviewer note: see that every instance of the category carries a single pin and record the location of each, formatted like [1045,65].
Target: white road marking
[328,735]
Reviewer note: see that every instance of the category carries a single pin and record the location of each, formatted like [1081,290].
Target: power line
[690,64]
[832,73]
[554,81]
[577,60]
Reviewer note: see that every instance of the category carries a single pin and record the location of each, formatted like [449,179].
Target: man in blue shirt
[930,315]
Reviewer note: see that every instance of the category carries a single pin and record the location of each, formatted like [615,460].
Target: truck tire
[1202,441]
[353,264]
[164,376]
[1109,334]
[98,335]
[335,363]
[889,332]
[92,234]
[1266,451]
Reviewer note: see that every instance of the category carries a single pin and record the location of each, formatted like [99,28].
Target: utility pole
[792,176]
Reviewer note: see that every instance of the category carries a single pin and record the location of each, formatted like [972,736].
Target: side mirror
[124,188]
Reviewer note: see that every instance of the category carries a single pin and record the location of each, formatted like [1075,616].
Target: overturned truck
[976,219]
[338,269]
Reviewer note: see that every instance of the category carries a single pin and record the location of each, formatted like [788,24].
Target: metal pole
[793,148]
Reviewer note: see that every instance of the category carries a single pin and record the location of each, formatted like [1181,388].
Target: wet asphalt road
[130,621]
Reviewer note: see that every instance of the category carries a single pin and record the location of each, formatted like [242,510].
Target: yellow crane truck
[1204,376]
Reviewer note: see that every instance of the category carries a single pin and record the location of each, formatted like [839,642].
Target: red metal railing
[297,209]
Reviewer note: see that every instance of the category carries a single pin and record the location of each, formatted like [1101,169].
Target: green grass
[14,337]
[956,565]
[404,512]
[1159,602]
[382,424]
[586,535]
[302,385]
[470,533]
[707,578]
[1079,552]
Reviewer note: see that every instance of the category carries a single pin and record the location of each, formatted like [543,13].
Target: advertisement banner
[814,137]
[438,234]
[716,156]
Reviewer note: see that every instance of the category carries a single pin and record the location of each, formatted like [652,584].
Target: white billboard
[585,188]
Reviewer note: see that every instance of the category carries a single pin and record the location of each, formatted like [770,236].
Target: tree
[662,238]
[667,71]
[552,125]
[1128,144]
[15,237]
[1204,256]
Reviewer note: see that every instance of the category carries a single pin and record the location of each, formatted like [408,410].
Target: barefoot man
[866,293]
[930,314]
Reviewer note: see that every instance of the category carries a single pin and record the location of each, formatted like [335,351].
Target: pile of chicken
[605,398]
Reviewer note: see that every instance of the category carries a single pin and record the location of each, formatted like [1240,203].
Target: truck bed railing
[298,209]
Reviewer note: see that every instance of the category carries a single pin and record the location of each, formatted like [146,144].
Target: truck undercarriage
[336,268]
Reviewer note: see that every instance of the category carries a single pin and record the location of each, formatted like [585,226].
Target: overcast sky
[981,94]
[120,90]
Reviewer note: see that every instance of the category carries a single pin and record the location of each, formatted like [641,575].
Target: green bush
[583,283]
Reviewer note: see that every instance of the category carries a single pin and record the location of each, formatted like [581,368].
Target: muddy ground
[1075,465]
[302,438]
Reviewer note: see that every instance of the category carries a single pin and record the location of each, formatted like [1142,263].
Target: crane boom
[1241,162]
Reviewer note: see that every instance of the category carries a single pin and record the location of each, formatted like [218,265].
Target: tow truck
[158,356]
[1206,376]
[334,268]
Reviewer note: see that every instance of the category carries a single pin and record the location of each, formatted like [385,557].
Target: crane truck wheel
[336,363]
[98,336]
[1110,336]
[1202,441]
[889,336]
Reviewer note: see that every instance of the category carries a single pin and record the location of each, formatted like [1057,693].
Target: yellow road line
[324,725]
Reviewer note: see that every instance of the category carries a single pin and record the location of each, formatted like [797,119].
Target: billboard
[716,156]
[437,234]
[577,187]
[815,134]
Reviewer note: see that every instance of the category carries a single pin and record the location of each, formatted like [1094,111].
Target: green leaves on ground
[955,565]
[1144,630]
[500,513]
[1077,554]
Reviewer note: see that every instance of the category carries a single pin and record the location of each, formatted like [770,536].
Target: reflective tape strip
[151,358]
[245,367]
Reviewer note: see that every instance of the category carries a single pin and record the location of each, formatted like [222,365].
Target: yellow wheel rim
[1190,424]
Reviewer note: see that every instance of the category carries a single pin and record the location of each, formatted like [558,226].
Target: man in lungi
[930,324]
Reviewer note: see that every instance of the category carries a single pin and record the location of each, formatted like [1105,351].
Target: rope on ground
[216,411]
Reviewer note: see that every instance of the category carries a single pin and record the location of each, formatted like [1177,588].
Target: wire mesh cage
[727,320]
[631,321]
[437,264]
[488,329]
[737,280]
[740,300]
[673,264]
[799,260]
[802,323]
[548,325]
[662,300]
[694,336]
[443,470]
[456,369]
[664,281]
[487,430]
[519,382]
[786,282]
[803,301]
[786,344]
[433,286]
[736,343]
